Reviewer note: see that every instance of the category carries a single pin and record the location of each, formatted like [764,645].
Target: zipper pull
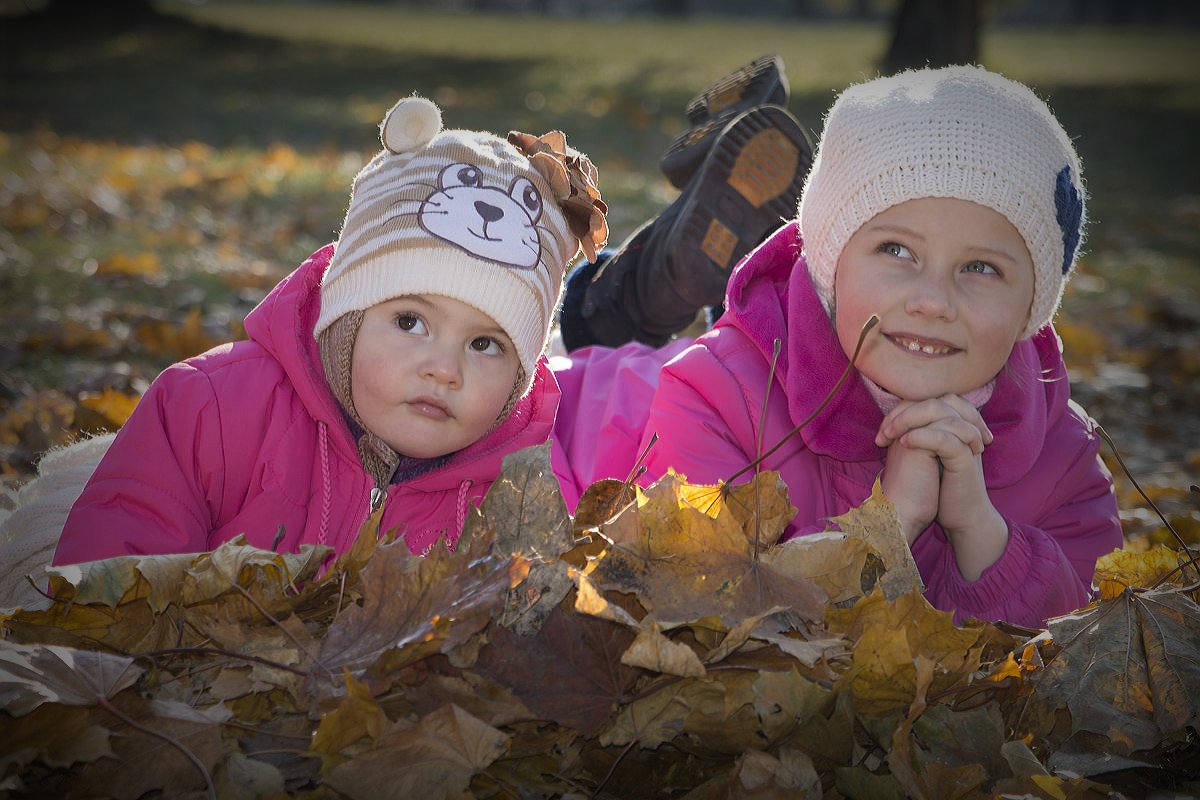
[377,497]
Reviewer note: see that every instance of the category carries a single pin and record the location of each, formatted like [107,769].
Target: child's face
[430,374]
[952,283]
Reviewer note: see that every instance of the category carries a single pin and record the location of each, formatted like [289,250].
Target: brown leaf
[651,719]
[1129,669]
[569,672]
[833,560]
[889,635]
[526,512]
[243,778]
[55,735]
[34,674]
[600,502]
[143,758]
[653,651]
[356,716]
[418,605]
[762,776]
[689,555]
[1123,569]
[876,523]
[439,755]
[787,701]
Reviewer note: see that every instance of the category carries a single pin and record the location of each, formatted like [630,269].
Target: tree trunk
[934,33]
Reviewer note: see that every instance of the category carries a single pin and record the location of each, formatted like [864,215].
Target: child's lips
[430,407]
[922,346]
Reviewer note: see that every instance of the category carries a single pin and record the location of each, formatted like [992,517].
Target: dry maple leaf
[875,522]
[889,636]
[1124,569]
[438,757]
[570,671]
[34,674]
[419,605]
[524,510]
[687,555]
[1128,669]
[162,744]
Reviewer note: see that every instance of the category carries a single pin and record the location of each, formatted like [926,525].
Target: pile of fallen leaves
[658,644]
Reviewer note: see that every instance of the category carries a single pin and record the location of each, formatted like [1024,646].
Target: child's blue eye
[981,268]
[895,249]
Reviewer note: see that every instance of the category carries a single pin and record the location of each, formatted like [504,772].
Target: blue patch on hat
[1068,203]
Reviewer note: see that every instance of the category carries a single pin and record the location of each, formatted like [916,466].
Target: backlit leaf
[1129,668]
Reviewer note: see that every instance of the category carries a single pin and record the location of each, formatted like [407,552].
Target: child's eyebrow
[994,254]
[893,228]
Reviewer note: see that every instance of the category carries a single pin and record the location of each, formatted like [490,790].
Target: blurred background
[163,164]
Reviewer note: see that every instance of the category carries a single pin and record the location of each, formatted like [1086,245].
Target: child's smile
[952,283]
[431,374]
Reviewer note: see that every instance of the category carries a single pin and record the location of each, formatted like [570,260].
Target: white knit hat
[957,132]
[469,215]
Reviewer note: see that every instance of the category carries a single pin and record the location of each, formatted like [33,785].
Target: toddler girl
[394,369]
[950,204]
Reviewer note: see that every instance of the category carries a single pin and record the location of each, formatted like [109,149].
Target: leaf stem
[867,326]
[613,768]
[104,703]
[216,651]
[1113,446]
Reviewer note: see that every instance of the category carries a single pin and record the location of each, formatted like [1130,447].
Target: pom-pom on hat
[957,132]
[489,221]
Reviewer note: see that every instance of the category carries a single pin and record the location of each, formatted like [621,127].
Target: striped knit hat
[958,132]
[468,215]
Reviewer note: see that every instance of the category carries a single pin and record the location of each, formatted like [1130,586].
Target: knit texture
[958,132]
[457,213]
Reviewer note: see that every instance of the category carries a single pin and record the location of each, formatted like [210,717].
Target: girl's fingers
[951,440]
[911,415]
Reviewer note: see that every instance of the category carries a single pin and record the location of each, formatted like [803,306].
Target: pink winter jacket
[1042,470]
[248,438]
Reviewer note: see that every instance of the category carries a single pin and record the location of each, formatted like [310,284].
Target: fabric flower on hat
[572,177]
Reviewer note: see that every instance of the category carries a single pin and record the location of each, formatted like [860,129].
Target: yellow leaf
[651,650]
[1122,569]
[1051,785]
[126,264]
[115,406]
[876,523]
[281,156]
[357,716]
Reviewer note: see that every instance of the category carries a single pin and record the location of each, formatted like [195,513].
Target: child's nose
[932,296]
[443,364]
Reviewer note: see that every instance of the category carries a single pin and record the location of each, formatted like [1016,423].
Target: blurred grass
[219,141]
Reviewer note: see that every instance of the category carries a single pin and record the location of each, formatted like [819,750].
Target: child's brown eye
[409,322]
[486,344]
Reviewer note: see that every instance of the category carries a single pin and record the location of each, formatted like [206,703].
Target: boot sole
[761,82]
[748,185]
[758,83]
